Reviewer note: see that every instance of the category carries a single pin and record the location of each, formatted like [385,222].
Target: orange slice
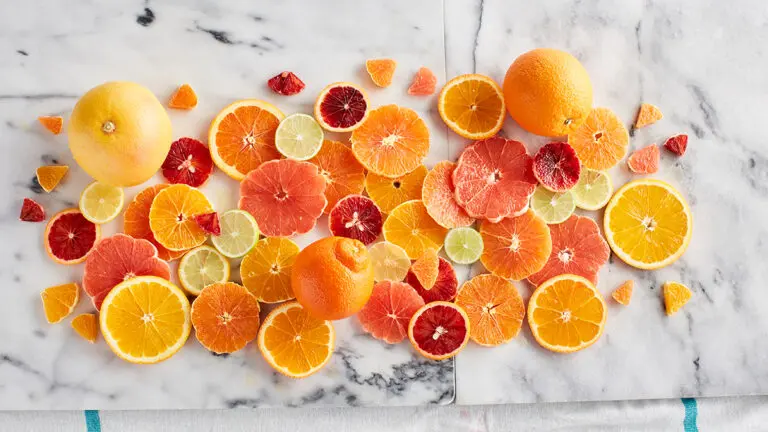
[472,105]
[50,176]
[517,247]
[242,136]
[566,314]
[183,98]
[623,294]
[171,217]
[601,141]
[426,269]
[389,193]
[413,229]
[392,142]
[52,123]
[59,301]
[494,307]
[266,270]
[676,295]
[294,343]
[343,173]
[87,326]
[647,115]
[136,221]
[381,71]
[225,317]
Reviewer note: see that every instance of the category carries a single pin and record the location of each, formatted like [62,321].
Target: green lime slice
[593,191]
[299,137]
[239,234]
[463,245]
[390,262]
[553,207]
[201,267]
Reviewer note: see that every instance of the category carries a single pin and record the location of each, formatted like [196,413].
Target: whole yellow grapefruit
[119,133]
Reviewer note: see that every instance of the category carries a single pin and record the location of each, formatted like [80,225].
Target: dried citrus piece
[389,193]
[425,268]
[356,217]
[52,123]
[623,294]
[463,245]
[381,71]
[69,237]
[677,144]
[445,287]
[556,166]
[171,217]
[31,211]
[266,270]
[200,267]
[59,301]
[410,227]
[601,141]
[676,295]
[183,98]
[341,107]
[438,194]
[593,191]
[390,262]
[188,162]
[647,115]
[644,160]
[342,172]
[553,207]
[136,221]
[392,141]
[439,330]
[424,83]
[648,224]
[299,137]
[517,247]
[472,105]
[50,176]
[389,310]
[87,326]
[494,307]
[100,203]
[225,316]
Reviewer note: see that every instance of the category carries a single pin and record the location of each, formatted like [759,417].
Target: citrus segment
[424,269]
[644,160]
[677,144]
[381,71]
[445,286]
[463,245]
[69,237]
[52,123]
[171,217]
[623,294]
[87,326]
[390,262]
[200,267]
[439,330]
[601,141]
[136,221]
[286,84]
[553,207]
[438,195]
[342,172]
[225,317]
[647,115]
[472,105]
[517,247]
[266,270]
[494,307]
[59,301]
[299,137]
[389,310]
[593,191]
[31,211]
[341,107]
[356,217]
[556,166]
[424,83]
[410,227]
[100,203]
[183,98]
[389,193]
[676,295]
[239,233]
[209,223]
[48,177]
[188,162]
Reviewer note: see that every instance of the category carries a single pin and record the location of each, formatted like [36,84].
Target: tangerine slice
[52,123]
[676,295]
[494,307]
[445,286]
[439,330]
[389,193]
[87,326]
[285,197]
[59,301]
[266,270]
[389,310]
[644,160]
[31,211]
[183,98]
[601,141]
[517,247]
[225,317]
[69,237]
[136,221]
[343,173]
[494,179]
[356,217]
[392,142]
[341,107]
[577,248]
[556,166]
[242,136]
[647,115]
[438,194]
[623,294]
[424,269]
[410,227]
[188,162]
[381,71]
[172,217]
[472,105]
[424,83]
[48,177]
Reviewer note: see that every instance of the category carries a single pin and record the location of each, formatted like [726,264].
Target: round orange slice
[472,105]
[601,141]
[266,270]
[136,221]
[343,173]
[242,136]
[413,229]
[494,307]
[389,193]
[171,217]
[517,247]
[225,317]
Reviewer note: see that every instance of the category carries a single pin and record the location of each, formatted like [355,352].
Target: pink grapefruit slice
[438,195]
[389,310]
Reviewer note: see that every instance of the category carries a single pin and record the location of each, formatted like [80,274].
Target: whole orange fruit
[333,277]
[119,133]
[548,92]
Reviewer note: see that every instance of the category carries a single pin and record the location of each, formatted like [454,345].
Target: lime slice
[100,203]
[201,267]
[239,233]
[463,245]
[593,190]
[390,262]
[299,137]
[553,207]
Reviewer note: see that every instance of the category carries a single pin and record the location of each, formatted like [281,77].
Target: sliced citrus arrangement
[623,294]
[438,195]
[299,137]
[439,330]
[648,224]
[52,123]
[342,172]
[464,245]
[410,227]
[425,268]
[69,237]
[391,142]
[593,191]
[676,295]
[59,301]
[494,179]
[472,105]
[171,217]
[341,107]
[136,221]
[445,287]
[577,248]
[517,247]
[566,314]
[553,207]
[556,166]
[647,115]
[188,162]
[601,141]
[87,326]
[294,343]
[100,203]
[200,267]
[356,217]
[381,71]
[239,233]
[389,310]
[390,262]
[266,270]
[183,98]
[48,177]
[284,196]
[388,192]
[145,319]
[424,83]
[242,136]
[644,160]
[225,317]
[31,211]
[494,307]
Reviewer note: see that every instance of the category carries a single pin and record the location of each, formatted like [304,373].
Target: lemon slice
[239,233]
[553,207]
[593,190]
[100,203]
[463,245]
[390,262]
[299,137]
[201,267]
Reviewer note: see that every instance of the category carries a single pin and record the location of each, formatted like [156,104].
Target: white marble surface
[703,63]
[226,51]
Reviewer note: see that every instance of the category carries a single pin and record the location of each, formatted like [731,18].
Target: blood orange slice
[556,166]
[577,248]
[425,269]
[645,160]
[517,247]
[494,307]
[69,237]
[439,197]
[410,227]
[343,173]
[136,221]
[389,193]
[444,288]
[381,71]
[209,223]
[119,258]
[285,197]
[341,107]
[172,217]
[31,211]
[424,83]
[242,136]
[286,83]
[392,142]
[356,217]
[494,179]
[677,144]
[225,317]
[188,162]
[439,330]
[389,310]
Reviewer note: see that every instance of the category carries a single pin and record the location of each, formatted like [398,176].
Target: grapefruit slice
[444,288]
[677,144]
[356,217]
[183,98]
[424,83]
[439,330]
[410,227]
[172,217]
[494,307]
[439,196]
[59,301]
[188,162]
[31,211]
[87,326]
[644,160]
[623,294]
[577,248]
[425,268]
[225,317]
[556,166]
[381,71]
[48,177]
[517,247]
[52,123]
[119,258]
[647,115]
[341,107]
[343,173]
[389,193]
[136,221]
[69,237]
[284,196]
[494,179]
[389,310]
[266,270]
[601,141]
[472,105]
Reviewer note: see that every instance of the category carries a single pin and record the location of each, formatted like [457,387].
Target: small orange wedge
[87,326]
[381,71]
[52,123]
[426,268]
[183,98]
[50,176]
[623,294]
[59,301]
[676,295]
[647,115]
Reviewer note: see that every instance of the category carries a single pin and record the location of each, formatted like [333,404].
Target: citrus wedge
[50,176]
[472,105]
[100,202]
[59,301]
[676,295]
[200,267]
[87,326]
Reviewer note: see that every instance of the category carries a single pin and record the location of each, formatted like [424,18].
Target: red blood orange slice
[438,195]
[286,84]
[343,173]
[445,287]
[356,217]
[209,223]
[119,258]
[517,247]
[645,160]
[439,330]
[677,144]
[341,107]
[188,162]
[577,248]
[494,179]
[136,221]
[31,211]
[389,310]
[285,197]
[557,167]
[69,237]
[425,269]
[424,83]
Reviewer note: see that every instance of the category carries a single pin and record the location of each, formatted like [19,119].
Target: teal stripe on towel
[92,421]
[691,411]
